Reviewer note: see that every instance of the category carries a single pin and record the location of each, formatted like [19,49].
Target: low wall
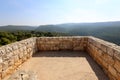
[107,55]
[61,43]
[13,55]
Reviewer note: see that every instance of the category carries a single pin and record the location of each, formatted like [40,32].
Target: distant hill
[109,31]
[72,27]
[50,28]
[16,27]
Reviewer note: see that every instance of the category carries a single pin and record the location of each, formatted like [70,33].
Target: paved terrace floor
[64,65]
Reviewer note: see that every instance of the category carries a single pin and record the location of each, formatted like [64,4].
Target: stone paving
[64,65]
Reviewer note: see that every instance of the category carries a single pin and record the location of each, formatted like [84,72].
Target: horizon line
[58,23]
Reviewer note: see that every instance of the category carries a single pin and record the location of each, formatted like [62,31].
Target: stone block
[118,76]
[117,54]
[65,46]
[10,70]
[9,48]
[112,71]
[104,48]
[111,77]
[0,76]
[16,58]
[117,65]
[78,48]
[0,67]
[4,65]
[99,61]
[100,53]
[20,55]
[4,74]
[2,52]
[18,63]
[104,64]
[108,59]
[15,47]
[24,58]
[15,52]
[110,51]
[11,62]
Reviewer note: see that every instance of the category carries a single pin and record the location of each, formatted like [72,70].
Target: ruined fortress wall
[107,55]
[13,55]
[61,43]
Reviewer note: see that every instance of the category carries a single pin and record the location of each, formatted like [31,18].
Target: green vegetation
[7,37]
[109,31]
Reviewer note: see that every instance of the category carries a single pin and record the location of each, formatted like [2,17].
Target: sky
[42,12]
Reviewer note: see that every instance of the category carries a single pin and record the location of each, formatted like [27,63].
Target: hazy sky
[39,12]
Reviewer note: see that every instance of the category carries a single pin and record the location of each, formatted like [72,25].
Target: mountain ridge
[105,30]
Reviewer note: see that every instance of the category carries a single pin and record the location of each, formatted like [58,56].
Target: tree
[4,41]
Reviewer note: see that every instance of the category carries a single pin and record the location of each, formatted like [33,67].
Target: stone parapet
[61,43]
[13,55]
[106,54]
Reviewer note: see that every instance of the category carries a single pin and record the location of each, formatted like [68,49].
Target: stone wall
[107,55]
[61,43]
[13,55]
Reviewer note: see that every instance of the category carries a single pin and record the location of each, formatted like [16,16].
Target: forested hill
[72,27]
[16,27]
[51,28]
[109,31]
[12,36]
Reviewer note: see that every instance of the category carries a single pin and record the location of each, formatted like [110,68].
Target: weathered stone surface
[112,71]
[1,61]
[0,76]
[108,59]
[12,55]
[105,64]
[4,65]
[104,48]
[117,54]
[118,76]
[61,43]
[23,75]
[104,53]
[110,51]
[117,65]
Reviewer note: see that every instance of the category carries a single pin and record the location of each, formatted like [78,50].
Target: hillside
[105,30]
[77,26]
[50,28]
[16,27]
[7,37]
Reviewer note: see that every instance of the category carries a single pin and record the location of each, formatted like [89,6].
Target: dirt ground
[64,65]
